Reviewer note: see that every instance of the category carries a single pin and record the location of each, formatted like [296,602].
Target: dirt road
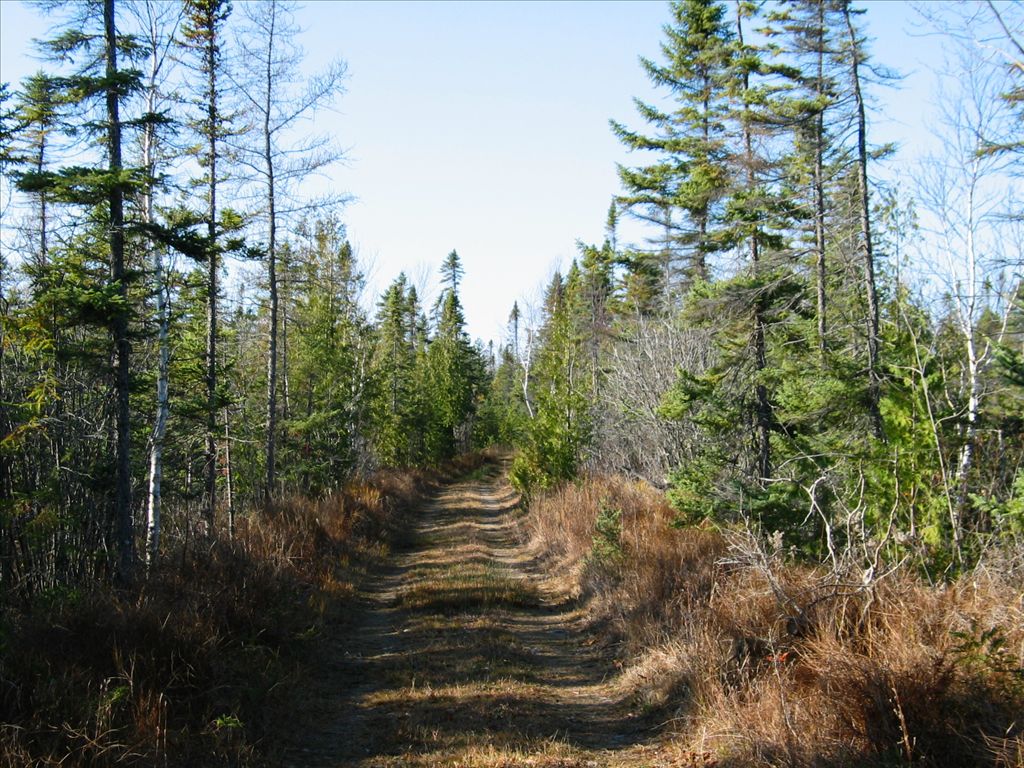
[456,656]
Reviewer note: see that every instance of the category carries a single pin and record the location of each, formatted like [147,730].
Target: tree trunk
[118,274]
[154,495]
[271,445]
[211,286]
[268,157]
[966,458]
[527,363]
[701,264]
[284,298]
[153,507]
[6,425]
[819,185]
[867,252]
[967,309]
[40,167]
[228,479]
[763,408]
[153,501]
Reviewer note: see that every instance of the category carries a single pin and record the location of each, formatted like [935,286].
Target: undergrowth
[200,663]
[761,661]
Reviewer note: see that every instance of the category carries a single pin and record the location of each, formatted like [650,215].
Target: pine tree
[8,158]
[756,218]
[513,321]
[202,37]
[809,31]
[9,125]
[855,51]
[394,374]
[691,173]
[452,272]
[101,82]
[558,434]
[455,371]
[39,114]
[502,415]
[730,397]
[329,360]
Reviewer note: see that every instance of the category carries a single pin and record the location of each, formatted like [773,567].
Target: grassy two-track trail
[459,653]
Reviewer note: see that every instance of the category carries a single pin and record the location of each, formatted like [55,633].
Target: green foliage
[328,359]
[1011,361]
[452,272]
[695,490]
[502,417]
[10,122]
[987,652]
[1007,515]
[398,338]
[222,722]
[426,389]
[692,172]
[606,546]
[454,375]
[559,433]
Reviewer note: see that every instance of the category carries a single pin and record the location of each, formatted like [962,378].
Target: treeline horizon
[763,359]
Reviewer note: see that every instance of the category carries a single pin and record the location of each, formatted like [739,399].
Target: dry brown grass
[199,664]
[762,662]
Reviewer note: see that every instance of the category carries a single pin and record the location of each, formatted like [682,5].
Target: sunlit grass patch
[448,661]
[540,753]
[470,724]
[469,587]
[419,692]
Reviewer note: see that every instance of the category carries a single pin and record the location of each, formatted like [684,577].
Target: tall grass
[762,661]
[199,663]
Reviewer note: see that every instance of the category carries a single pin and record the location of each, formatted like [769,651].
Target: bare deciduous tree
[963,193]
[279,157]
[158,23]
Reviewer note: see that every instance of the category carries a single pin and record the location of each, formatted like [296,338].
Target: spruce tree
[203,40]
[101,84]
[39,114]
[683,189]
[329,360]
[394,370]
[855,51]
[452,272]
[559,432]
[809,30]
[455,372]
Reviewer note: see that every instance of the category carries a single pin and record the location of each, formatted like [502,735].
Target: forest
[775,449]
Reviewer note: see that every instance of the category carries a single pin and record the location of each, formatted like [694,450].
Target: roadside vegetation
[754,659]
[203,663]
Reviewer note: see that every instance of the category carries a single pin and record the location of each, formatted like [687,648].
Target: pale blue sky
[484,126]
